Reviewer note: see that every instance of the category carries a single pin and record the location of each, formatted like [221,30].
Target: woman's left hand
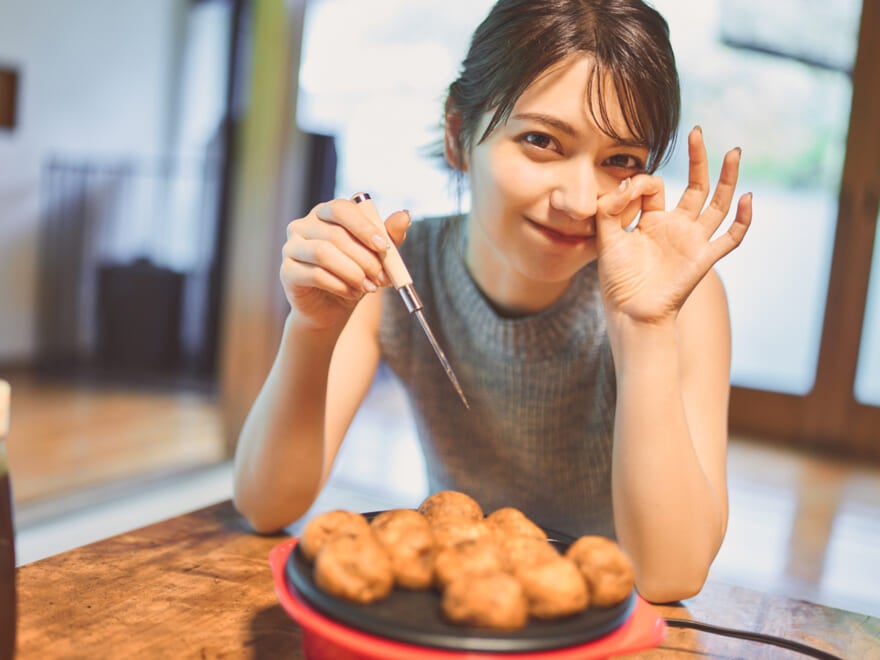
[646,274]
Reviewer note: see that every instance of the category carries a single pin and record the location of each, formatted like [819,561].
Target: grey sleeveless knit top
[541,388]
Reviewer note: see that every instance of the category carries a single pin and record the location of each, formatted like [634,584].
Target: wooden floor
[66,439]
[800,525]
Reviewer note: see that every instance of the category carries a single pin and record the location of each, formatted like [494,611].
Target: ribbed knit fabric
[541,388]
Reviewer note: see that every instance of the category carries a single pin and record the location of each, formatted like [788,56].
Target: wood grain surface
[199,586]
[193,586]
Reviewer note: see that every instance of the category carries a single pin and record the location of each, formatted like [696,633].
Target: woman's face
[535,182]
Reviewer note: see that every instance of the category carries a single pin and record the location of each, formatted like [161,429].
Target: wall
[97,80]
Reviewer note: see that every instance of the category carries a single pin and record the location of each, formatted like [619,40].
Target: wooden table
[199,586]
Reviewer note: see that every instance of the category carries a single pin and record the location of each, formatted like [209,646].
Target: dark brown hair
[520,39]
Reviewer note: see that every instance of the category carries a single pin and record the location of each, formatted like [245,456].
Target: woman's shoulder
[427,234]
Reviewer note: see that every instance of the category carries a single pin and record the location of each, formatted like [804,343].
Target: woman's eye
[625,161]
[539,140]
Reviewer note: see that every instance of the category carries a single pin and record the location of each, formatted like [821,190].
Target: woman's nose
[576,192]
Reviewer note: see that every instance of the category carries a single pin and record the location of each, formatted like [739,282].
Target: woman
[595,356]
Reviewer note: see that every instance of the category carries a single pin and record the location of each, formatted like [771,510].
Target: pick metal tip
[441,356]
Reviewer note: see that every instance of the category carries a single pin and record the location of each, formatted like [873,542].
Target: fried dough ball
[494,601]
[450,504]
[468,558]
[554,589]
[522,551]
[397,519]
[407,538]
[607,571]
[451,531]
[509,521]
[355,568]
[326,525]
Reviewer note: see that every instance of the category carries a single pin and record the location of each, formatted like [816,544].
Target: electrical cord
[754,637]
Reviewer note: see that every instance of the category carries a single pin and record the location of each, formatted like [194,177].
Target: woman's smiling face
[535,182]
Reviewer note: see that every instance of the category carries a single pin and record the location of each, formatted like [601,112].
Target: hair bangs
[636,97]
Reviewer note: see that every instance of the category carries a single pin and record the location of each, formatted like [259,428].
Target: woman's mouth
[559,237]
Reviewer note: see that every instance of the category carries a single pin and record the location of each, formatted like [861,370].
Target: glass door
[805,364]
[777,84]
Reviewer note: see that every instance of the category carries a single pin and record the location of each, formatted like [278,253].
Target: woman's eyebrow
[554,122]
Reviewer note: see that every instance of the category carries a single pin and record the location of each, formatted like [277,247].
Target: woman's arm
[669,331]
[670,441]
[294,430]
[331,269]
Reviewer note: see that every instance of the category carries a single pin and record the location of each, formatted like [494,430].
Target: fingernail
[369,286]
[699,129]
[380,242]
[623,185]
[408,217]
[738,150]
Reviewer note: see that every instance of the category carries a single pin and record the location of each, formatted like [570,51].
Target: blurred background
[153,151]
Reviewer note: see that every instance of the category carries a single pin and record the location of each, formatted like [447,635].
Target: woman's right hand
[332,258]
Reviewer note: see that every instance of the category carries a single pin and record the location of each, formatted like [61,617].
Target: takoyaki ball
[493,601]
[522,551]
[468,558]
[554,589]
[326,525]
[396,519]
[509,521]
[450,504]
[355,568]
[451,531]
[606,569]
[407,538]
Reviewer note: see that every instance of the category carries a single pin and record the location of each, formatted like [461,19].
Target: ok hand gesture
[646,274]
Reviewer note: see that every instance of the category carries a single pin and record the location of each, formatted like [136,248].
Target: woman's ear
[451,142]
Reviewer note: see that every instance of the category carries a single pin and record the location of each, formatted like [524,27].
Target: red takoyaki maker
[408,625]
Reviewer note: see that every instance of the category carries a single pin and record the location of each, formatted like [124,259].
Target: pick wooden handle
[391,259]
